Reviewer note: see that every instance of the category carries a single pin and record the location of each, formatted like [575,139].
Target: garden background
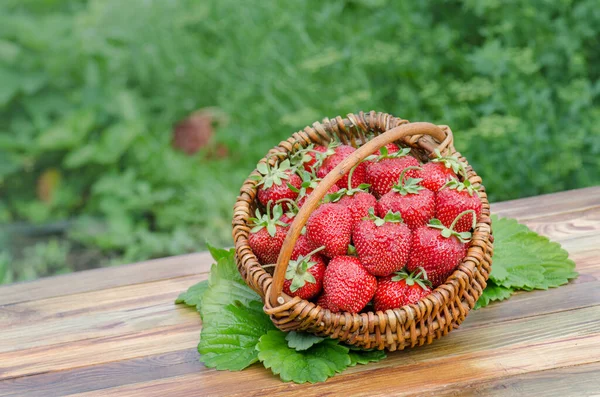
[127,127]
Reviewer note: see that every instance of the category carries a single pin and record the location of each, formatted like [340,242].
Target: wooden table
[116,331]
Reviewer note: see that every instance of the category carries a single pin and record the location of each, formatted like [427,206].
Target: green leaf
[219,253]
[226,287]
[491,293]
[360,356]
[525,260]
[230,342]
[315,364]
[302,340]
[193,296]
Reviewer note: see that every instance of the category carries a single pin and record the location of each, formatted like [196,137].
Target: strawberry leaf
[314,364]
[302,340]
[525,260]
[491,293]
[230,342]
[219,253]
[193,296]
[225,286]
[361,356]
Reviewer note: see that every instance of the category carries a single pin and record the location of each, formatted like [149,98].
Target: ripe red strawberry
[415,203]
[455,198]
[330,225]
[323,301]
[400,289]
[304,275]
[348,286]
[438,250]
[302,247]
[382,245]
[390,147]
[267,235]
[440,170]
[358,204]
[275,181]
[359,176]
[384,172]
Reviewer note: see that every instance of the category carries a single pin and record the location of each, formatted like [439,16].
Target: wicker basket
[433,316]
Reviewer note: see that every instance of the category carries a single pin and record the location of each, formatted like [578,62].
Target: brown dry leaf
[196,131]
[47,184]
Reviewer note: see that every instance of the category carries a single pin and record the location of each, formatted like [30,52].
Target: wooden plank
[115,323]
[97,279]
[549,204]
[94,302]
[97,377]
[580,380]
[58,357]
[505,348]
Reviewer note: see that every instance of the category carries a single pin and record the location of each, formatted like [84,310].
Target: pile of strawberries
[388,232]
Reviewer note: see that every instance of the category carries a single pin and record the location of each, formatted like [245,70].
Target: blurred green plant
[90,91]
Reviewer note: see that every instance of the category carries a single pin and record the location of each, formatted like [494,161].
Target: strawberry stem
[461,215]
[292,202]
[411,185]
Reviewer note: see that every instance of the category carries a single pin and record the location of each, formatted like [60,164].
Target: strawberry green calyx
[297,270]
[451,162]
[386,155]
[393,217]
[418,277]
[351,250]
[268,221]
[271,175]
[447,232]
[308,181]
[293,208]
[460,186]
[410,186]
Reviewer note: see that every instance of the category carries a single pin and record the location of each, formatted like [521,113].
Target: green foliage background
[93,88]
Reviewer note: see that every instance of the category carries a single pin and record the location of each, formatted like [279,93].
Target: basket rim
[430,306]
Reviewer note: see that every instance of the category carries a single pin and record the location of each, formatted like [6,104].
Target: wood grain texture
[97,279]
[116,332]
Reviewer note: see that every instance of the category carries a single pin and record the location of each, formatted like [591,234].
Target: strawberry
[400,289]
[341,152]
[275,182]
[455,198]
[330,225]
[323,301]
[358,204]
[304,275]
[302,247]
[267,235]
[358,200]
[390,148]
[348,286]
[415,203]
[382,244]
[438,249]
[384,172]
[440,170]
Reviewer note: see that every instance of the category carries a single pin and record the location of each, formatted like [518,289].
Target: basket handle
[330,179]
